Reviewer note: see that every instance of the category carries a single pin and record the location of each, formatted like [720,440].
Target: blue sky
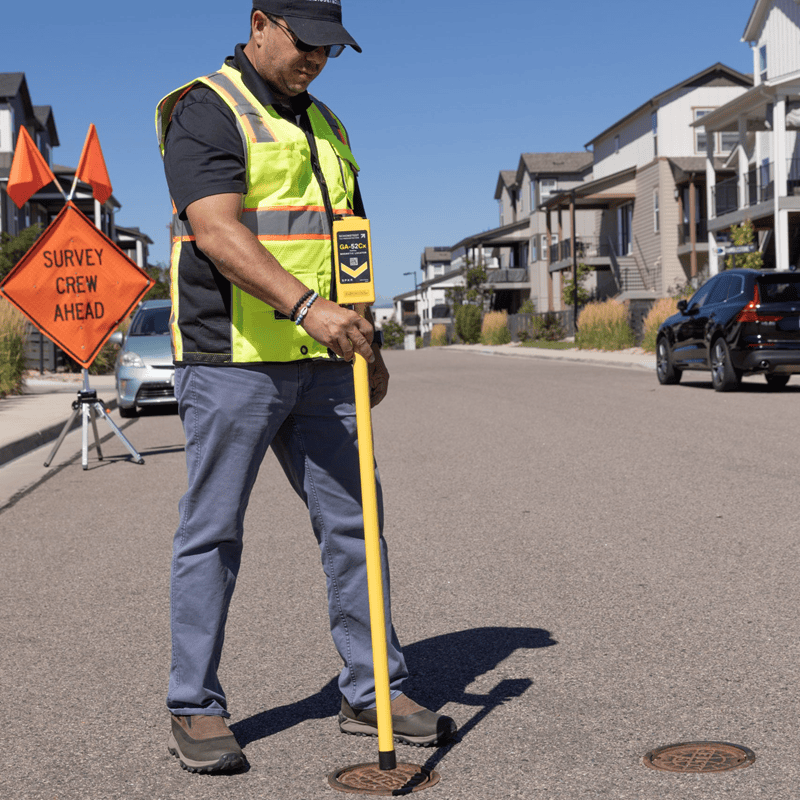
[445,95]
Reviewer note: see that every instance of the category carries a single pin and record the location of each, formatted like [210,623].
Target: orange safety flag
[29,170]
[92,167]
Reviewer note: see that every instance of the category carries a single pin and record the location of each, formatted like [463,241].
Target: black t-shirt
[204,154]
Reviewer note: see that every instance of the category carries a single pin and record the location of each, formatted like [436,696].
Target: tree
[12,248]
[393,333]
[584,295]
[473,292]
[160,274]
[741,235]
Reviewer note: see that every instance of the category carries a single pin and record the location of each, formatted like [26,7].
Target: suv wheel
[724,377]
[667,372]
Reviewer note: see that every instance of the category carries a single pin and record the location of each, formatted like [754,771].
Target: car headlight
[131,359]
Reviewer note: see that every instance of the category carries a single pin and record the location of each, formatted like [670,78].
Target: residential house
[647,193]
[765,153]
[17,110]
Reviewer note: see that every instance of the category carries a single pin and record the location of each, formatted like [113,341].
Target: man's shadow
[444,667]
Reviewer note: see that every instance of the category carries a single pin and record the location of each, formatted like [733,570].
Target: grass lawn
[549,345]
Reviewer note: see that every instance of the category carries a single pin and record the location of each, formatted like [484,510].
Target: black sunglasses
[331,50]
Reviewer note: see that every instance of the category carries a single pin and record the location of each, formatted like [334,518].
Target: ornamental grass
[495,328]
[13,335]
[604,326]
[438,335]
[663,308]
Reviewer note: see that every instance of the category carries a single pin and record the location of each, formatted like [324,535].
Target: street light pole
[414,274]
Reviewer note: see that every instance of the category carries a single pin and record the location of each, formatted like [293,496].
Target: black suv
[742,321]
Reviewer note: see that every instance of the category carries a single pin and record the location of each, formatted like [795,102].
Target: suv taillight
[750,313]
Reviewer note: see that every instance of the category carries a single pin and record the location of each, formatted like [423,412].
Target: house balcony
[733,201]
[508,278]
[592,250]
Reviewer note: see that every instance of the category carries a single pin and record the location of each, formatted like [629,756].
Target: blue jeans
[306,411]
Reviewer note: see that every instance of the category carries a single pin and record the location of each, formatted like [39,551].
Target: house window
[654,125]
[616,143]
[535,249]
[656,222]
[728,141]
[762,62]
[700,137]
[533,194]
[547,186]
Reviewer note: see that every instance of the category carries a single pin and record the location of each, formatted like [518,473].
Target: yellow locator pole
[355,284]
[369,502]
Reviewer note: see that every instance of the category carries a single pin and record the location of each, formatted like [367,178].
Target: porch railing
[585,247]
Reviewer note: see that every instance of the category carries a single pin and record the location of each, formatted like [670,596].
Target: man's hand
[340,329]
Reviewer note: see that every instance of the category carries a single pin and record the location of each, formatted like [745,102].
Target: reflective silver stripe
[181,227]
[244,108]
[286,222]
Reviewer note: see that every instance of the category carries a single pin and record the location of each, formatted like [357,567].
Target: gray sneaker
[411,723]
[203,743]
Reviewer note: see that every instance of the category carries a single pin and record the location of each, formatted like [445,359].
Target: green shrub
[547,327]
[494,329]
[420,342]
[13,335]
[439,335]
[468,323]
[604,326]
[663,308]
[393,334]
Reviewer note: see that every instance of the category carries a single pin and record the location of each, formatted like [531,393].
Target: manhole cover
[699,757]
[371,779]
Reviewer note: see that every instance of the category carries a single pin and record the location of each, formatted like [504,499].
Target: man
[257,170]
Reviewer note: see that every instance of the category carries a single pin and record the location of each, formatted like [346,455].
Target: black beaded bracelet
[299,303]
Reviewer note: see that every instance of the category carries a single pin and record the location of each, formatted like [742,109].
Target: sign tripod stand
[89,406]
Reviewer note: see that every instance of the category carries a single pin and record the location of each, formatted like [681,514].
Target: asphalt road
[585,566]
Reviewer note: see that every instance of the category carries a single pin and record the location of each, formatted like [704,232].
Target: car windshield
[779,288]
[151,322]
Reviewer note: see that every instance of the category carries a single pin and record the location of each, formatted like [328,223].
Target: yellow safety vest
[284,207]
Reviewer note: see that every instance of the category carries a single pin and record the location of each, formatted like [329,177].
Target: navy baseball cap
[315,22]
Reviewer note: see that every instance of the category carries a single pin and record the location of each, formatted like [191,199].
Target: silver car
[144,372]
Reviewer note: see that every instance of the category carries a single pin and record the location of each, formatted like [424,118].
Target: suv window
[736,286]
[720,289]
[701,295]
[779,288]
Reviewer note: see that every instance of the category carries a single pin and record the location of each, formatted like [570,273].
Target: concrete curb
[32,441]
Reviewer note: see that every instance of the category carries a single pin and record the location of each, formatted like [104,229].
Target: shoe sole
[355,728]
[225,763]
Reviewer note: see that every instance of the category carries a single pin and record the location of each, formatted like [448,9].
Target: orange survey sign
[75,285]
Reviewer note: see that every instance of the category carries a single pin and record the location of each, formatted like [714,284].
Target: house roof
[699,79]
[504,235]
[597,193]
[10,83]
[134,233]
[756,20]
[507,179]
[44,116]
[13,84]
[555,163]
[697,164]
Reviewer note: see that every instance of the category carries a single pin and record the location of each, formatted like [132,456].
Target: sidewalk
[35,419]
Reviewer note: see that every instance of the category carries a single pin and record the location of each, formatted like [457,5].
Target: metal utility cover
[699,757]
